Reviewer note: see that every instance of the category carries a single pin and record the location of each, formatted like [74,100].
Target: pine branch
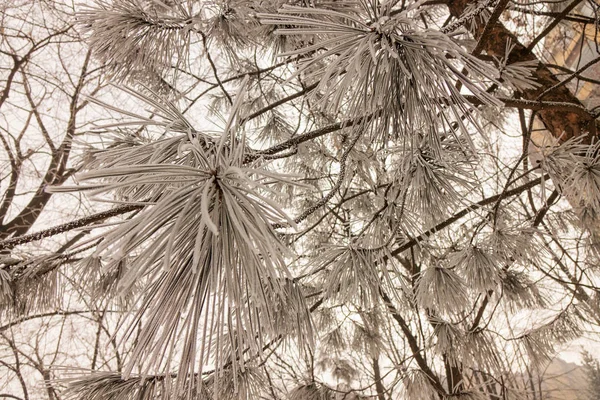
[335,188]
[43,315]
[444,224]
[538,105]
[305,137]
[80,223]
[582,19]
[278,103]
[416,350]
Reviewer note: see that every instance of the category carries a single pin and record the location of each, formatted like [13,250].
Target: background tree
[309,200]
[592,371]
[45,73]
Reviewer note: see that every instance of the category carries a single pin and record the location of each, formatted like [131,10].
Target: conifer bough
[313,200]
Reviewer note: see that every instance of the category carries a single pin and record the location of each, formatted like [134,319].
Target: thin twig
[569,79]
[559,17]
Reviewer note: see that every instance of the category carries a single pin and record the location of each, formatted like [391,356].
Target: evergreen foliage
[307,200]
[592,371]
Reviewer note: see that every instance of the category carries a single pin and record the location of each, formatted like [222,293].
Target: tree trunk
[563,125]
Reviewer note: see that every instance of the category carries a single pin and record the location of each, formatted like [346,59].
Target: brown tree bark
[562,124]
